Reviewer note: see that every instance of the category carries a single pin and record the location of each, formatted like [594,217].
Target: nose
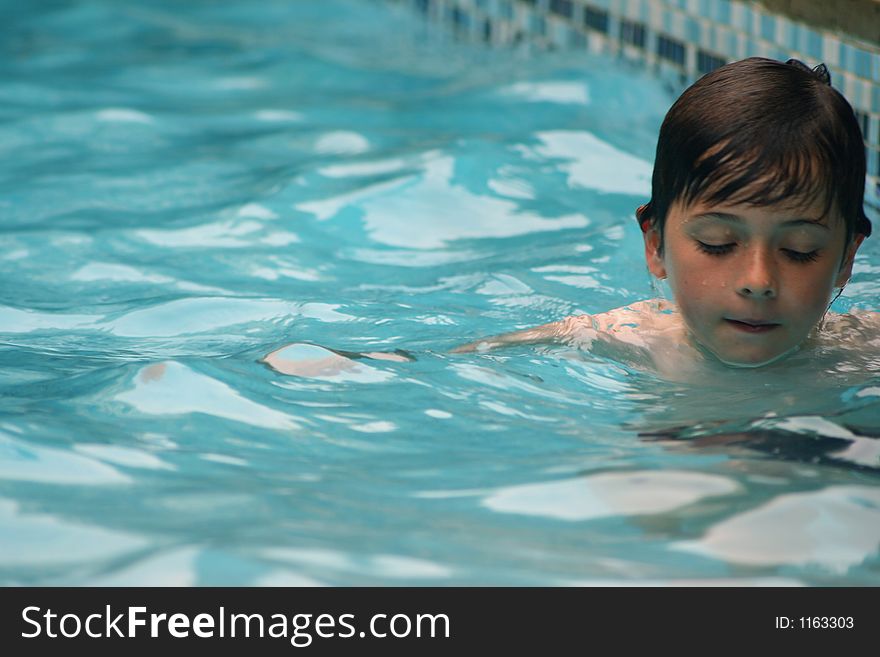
[758,279]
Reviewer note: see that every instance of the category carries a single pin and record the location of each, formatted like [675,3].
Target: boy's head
[759,131]
[757,206]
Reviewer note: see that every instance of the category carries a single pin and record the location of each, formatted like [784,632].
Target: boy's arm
[621,325]
[560,332]
[301,359]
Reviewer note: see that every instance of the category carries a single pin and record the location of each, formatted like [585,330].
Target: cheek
[694,299]
[695,286]
[696,302]
[813,293]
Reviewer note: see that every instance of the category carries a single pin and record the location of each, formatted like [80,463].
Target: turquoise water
[187,187]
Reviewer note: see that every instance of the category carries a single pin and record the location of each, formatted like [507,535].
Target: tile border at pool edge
[679,40]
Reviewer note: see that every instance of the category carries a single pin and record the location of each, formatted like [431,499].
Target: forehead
[788,212]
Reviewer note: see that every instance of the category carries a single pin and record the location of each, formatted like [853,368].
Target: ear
[843,275]
[652,253]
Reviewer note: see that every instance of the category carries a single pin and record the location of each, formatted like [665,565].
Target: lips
[750,325]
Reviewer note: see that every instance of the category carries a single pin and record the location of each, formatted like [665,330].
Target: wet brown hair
[761,132]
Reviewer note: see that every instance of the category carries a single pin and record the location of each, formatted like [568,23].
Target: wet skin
[751,282]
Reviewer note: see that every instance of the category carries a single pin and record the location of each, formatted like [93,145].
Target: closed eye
[715,249]
[791,254]
[801,256]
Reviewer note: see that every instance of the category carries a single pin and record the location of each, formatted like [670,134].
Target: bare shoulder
[648,314]
[870,320]
[861,324]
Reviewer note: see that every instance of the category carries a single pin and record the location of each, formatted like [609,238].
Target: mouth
[752,325]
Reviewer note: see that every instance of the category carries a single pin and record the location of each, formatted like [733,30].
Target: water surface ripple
[187,187]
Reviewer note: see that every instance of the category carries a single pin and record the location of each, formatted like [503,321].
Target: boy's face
[751,282]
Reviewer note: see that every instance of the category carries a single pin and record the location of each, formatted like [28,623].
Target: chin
[741,356]
[745,358]
[752,361]
[749,364]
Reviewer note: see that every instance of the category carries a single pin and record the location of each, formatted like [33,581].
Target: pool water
[187,187]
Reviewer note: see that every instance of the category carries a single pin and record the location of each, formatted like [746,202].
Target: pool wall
[684,39]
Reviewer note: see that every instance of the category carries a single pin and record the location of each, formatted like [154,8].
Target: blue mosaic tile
[632,33]
[613,25]
[745,22]
[722,11]
[788,41]
[862,63]
[841,54]
[796,37]
[576,39]
[768,27]
[707,35]
[857,98]
[563,8]
[671,49]
[596,19]
[753,47]
[559,34]
[846,57]
[814,45]
[539,25]
[707,62]
[691,29]
[704,8]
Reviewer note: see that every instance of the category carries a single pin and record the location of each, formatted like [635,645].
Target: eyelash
[724,249]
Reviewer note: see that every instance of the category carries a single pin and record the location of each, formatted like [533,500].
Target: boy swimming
[755,219]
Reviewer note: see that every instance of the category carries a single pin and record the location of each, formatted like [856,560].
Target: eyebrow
[736,219]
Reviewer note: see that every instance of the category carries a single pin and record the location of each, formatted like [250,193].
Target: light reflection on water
[177,207]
